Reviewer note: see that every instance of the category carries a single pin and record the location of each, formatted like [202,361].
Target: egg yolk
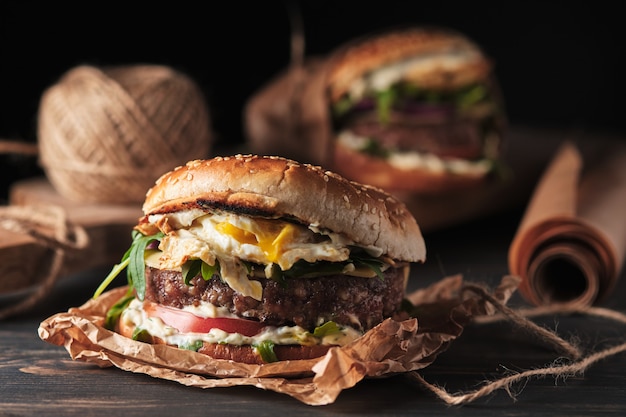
[271,237]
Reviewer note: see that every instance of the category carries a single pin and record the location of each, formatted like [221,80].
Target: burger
[259,259]
[415,110]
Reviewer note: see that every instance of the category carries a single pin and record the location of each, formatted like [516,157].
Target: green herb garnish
[115,311]
[384,102]
[342,106]
[266,350]
[304,269]
[142,335]
[194,267]
[325,329]
[195,345]
[372,263]
[135,264]
[136,270]
[114,273]
[470,96]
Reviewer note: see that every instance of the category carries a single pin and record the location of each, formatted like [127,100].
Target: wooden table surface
[37,378]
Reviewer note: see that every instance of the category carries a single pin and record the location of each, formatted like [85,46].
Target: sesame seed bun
[279,187]
[363,55]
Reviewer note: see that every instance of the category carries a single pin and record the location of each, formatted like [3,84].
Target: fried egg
[228,238]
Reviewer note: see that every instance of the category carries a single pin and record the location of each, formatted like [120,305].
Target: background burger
[415,109]
[259,259]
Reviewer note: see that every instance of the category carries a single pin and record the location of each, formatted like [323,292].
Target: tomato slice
[186,322]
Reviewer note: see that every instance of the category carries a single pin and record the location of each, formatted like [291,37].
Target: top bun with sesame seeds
[276,187]
[258,259]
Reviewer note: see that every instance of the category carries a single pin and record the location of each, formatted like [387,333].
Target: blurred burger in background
[415,110]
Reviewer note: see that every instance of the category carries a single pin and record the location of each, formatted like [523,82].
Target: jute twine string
[521,318]
[106,134]
[8,146]
[548,336]
[49,227]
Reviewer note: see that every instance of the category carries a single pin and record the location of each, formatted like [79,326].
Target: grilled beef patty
[306,302]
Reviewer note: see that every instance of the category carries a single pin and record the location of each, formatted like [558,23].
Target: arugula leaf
[304,269]
[374,264]
[114,273]
[136,270]
[209,270]
[134,263]
[115,311]
[142,335]
[192,268]
[266,350]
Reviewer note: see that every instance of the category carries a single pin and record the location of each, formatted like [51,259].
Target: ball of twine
[106,134]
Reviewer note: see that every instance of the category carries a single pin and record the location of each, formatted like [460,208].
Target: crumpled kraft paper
[392,347]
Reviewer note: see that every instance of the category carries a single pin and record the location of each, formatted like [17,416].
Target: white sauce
[384,77]
[135,316]
[415,160]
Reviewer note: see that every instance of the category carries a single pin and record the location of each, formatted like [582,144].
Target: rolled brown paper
[570,245]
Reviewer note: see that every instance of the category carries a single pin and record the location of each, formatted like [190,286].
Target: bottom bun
[247,354]
[366,169]
[244,353]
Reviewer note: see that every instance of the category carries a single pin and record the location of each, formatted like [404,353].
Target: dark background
[559,63]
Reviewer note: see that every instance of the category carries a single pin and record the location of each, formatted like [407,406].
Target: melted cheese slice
[228,238]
